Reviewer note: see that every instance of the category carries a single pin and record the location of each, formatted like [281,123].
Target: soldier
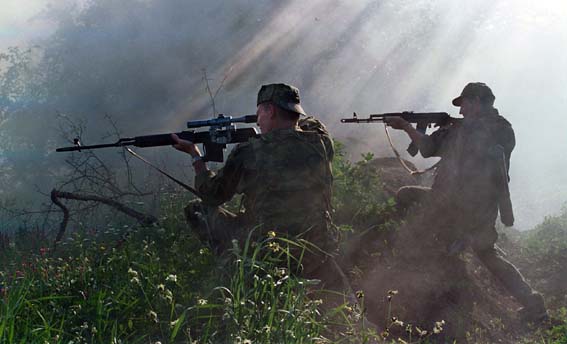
[284,176]
[471,184]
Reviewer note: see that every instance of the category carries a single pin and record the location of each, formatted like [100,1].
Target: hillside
[457,289]
[158,283]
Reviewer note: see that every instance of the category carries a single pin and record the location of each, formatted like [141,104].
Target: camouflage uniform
[463,200]
[285,178]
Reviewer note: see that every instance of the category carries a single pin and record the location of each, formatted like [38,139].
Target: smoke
[143,62]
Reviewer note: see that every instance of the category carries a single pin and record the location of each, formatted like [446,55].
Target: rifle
[221,132]
[423,120]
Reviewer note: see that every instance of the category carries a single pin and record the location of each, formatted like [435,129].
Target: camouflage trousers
[220,227]
[215,225]
[483,243]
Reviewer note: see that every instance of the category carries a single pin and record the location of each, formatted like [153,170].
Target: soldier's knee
[486,253]
[406,196]
[403,199]
[193,212]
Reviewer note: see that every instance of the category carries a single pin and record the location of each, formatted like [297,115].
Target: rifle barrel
[79,148]
[412,117]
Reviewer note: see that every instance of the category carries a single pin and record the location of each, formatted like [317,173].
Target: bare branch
[222,82]
[63,225]
[141,217]
[208,88]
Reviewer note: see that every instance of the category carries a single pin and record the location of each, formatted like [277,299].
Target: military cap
[283,95]
[476,89]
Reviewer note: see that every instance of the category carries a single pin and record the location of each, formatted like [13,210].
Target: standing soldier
[284,176]
[471,185]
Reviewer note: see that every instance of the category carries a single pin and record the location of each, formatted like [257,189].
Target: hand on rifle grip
[185,146]
[396,122]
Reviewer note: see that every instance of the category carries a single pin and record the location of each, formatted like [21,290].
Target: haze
[143,61]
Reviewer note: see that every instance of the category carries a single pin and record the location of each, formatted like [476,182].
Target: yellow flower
[168,295]
[420,332]
[153,316]
[173,323]
[281,272]
[391,294]
[271,234]
[202,302]
[274,246]
[398,323]
[132,272]
[171,278]
[438,328]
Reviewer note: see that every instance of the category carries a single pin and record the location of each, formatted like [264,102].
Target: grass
[160,284]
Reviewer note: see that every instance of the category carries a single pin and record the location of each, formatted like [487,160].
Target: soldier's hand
[185,146]
[397,122]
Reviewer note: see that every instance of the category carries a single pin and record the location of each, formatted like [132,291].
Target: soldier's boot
[196,216]
[534,310]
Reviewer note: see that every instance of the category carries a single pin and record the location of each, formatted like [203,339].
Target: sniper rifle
[222,131]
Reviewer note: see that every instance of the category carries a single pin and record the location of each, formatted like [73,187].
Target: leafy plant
[358,198]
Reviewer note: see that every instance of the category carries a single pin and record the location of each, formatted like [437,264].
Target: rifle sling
[405,166]
[185,186]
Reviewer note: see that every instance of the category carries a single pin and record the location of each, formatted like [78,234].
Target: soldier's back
[294,180]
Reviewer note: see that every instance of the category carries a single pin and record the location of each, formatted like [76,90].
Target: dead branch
[56,194]
[208,89]
[65,221]
[210,92]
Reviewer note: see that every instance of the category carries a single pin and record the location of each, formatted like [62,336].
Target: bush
[358,198]
[549,237]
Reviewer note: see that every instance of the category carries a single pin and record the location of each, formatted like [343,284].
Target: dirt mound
[433,285]
[392,174]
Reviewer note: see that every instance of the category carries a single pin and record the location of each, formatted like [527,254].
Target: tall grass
[160,284]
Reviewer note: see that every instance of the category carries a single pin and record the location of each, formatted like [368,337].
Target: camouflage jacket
[467,177]
[284,175]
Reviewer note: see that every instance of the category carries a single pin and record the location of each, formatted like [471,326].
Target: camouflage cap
[476,89]
[283,95]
